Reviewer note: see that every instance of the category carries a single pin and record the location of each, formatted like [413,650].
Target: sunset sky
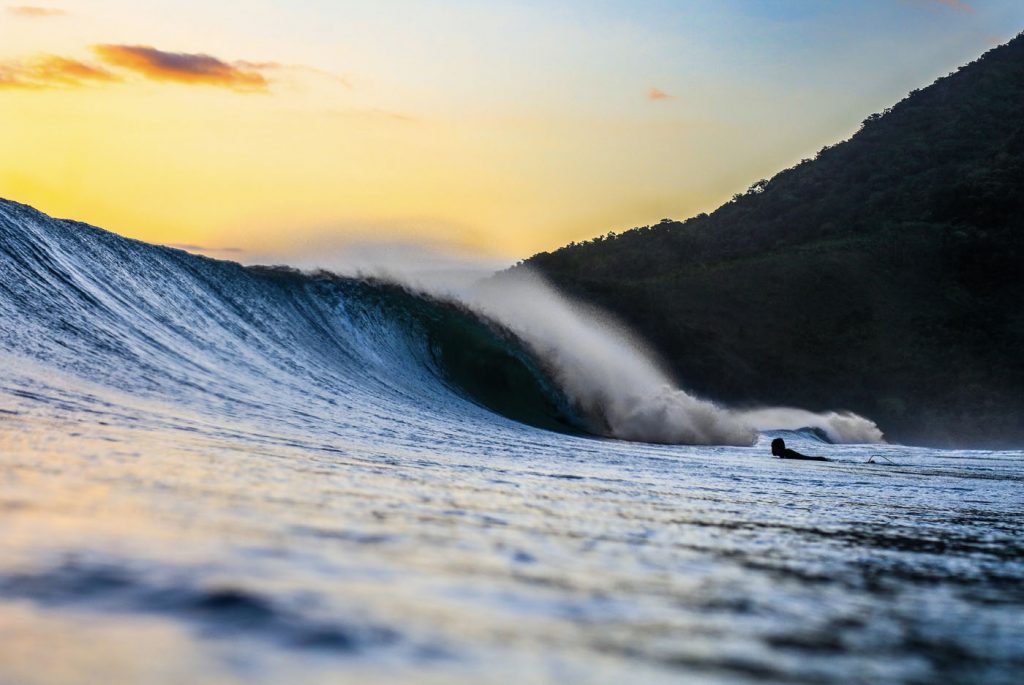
[272,130]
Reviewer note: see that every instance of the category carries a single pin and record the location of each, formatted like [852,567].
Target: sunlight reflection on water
[205,555]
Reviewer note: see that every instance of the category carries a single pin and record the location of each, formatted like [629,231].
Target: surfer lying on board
[780,450]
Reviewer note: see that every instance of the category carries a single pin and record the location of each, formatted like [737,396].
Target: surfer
[780,450]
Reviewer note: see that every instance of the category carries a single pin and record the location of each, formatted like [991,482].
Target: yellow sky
[509,129]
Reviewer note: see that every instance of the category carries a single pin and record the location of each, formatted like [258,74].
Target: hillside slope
[886,276]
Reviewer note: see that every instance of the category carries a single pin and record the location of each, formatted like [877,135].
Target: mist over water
[606,372]
[838,427]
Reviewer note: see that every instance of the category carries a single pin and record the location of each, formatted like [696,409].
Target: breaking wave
[273,344]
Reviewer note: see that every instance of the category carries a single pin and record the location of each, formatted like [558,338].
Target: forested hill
[885,276]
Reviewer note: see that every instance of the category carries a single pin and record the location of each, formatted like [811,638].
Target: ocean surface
[219,474]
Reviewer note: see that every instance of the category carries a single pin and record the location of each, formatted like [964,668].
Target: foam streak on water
[211,475]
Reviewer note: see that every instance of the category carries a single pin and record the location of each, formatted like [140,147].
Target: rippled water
[215,475]
[195,552]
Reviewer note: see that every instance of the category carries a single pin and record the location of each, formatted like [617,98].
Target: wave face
[262,344]
[273,345]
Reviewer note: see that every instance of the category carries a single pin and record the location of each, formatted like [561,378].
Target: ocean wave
[275,345]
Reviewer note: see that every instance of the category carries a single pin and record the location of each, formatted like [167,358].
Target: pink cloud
[656,94]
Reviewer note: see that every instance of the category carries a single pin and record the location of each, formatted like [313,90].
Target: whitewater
[212,473]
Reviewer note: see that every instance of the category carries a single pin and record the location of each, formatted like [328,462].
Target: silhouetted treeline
[885,276]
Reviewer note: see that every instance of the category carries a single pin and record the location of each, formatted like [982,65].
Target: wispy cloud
[301,68]
[192,247]
[656,94]
[958,5]
[374,113]
[183,67]
[51,71]
[34,11]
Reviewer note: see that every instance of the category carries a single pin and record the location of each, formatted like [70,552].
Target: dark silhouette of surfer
[780,450]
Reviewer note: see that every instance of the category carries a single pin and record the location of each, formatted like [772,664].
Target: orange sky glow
[266,131]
